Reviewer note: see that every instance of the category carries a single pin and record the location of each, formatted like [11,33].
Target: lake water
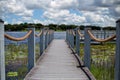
[57,35]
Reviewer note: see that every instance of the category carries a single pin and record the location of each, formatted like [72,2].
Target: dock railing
[45,37]
[73,38]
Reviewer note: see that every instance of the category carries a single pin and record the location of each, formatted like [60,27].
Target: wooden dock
[57,63]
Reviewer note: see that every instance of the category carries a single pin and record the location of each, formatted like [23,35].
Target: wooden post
[49,36]
[77,42]
[69,37]
[66,35]
[104,34]
[46,40]
[53,36]
[72,40]
[87,54]
[31,50]
[41,42]
[2,54]
[117,55]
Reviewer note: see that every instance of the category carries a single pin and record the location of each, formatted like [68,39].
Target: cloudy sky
[79,12]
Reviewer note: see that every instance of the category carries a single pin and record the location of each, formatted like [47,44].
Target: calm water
[60,35]
[57,35]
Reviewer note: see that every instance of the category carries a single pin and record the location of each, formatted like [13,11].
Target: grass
[16,57]
[102,60]
[102,73]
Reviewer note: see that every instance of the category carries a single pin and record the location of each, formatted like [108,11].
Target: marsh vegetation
[102,60]
[16,60]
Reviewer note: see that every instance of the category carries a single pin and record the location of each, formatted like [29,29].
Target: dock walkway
[57,63]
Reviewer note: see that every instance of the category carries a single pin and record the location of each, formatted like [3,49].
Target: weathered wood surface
[57,63]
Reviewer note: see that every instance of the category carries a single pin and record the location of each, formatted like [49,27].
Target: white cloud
[64,4]
[56,14]
[92,17]
[36,4]
[61,16]
[117,9]
[15,7]
[26,18]
[102,12]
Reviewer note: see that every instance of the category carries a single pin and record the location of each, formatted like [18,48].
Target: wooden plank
[57,64]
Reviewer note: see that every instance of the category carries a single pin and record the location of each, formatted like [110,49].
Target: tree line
[62,27]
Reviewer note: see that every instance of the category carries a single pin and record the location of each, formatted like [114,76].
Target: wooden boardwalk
[57,63]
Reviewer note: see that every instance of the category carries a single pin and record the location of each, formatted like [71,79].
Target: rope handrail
[101,40]
[37,35]
[80,34]
[18,39]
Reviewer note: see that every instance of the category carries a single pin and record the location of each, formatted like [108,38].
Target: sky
[79,12]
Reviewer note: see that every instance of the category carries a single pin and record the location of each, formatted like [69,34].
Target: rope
[101,40]
[18,39]
[80,34]
[37,35]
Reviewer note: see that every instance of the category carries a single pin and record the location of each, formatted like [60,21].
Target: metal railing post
[31,49]
[2,54]
[87,54]
[77,42]
[117,55]
[41,42]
